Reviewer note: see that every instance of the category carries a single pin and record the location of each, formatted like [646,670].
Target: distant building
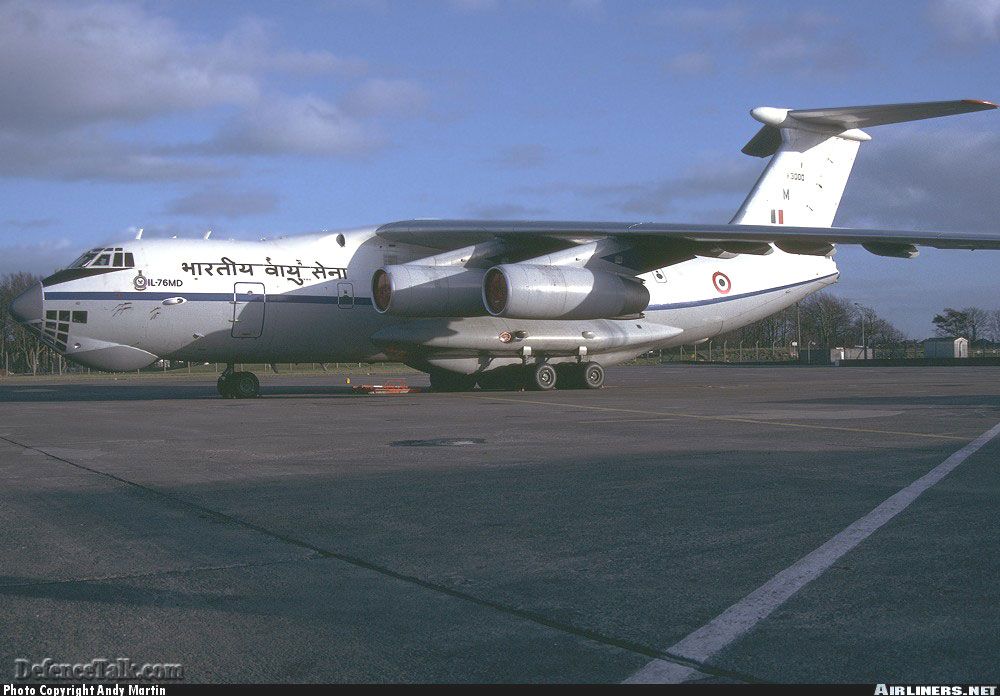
[852,353]
[946,348]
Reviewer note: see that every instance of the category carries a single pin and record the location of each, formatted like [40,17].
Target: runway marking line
[727,419]
[735,622]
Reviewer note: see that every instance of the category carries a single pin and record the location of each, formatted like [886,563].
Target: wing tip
[980,103]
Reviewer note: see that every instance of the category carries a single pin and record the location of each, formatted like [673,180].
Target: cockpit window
[85,259]
[109,257]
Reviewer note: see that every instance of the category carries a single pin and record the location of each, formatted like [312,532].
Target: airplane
[498,304]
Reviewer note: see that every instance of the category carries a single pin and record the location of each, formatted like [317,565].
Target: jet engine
[526,291]
[428,291]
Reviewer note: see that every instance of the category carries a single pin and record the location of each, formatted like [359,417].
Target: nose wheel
[238,385]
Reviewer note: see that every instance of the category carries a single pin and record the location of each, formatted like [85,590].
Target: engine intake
[428,291]
[526,291]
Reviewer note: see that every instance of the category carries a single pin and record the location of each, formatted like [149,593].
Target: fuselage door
[249,301]
[345,295]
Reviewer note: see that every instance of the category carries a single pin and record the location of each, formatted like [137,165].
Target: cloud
[692,64]
[222,203]
[74,74]
[503,211]
[594,9]
[919,177]
[701,186]
[78,64]
[928,178]
[801,43]
[806,56]
[725,17]
[29,224]
[86,154]
[249,48]
[966,22]
[75,64]
[306,125]
[524,156]
[40,257]
[381,97]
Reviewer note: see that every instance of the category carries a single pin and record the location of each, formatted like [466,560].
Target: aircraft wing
[660,244]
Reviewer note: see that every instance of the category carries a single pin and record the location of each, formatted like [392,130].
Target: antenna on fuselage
[208,233]
[138,235]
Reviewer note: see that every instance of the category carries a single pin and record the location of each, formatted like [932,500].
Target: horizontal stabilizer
[847,117]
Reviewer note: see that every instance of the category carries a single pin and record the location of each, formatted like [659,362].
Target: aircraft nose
[27,307]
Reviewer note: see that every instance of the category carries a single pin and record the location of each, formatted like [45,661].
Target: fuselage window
[119,261]
[103,260]
[79,317]
[129,260]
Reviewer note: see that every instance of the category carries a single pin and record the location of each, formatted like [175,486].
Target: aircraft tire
[442,381]
[542,377]
[244,385]
[223,386]
[592,375]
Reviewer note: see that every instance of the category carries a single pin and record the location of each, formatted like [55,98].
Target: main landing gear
[238,385]
[536,377]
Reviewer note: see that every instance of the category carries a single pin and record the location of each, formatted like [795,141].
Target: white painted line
[740,618]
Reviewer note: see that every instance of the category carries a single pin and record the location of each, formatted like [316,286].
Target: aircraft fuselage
[309,299]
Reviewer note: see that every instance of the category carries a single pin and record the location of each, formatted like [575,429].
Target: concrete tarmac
[313,535]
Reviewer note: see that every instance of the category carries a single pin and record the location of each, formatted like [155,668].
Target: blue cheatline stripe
[200,297]
[728,298]
[362,301]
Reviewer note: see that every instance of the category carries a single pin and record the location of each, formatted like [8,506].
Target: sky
[258,119]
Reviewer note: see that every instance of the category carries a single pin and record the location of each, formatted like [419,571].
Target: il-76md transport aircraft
[495,303]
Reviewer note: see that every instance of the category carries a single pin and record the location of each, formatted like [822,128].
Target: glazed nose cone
[27,307]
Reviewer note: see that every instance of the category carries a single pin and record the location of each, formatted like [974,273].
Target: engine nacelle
[526,291]
[428,291]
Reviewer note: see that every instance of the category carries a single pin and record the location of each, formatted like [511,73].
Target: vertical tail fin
[813,154]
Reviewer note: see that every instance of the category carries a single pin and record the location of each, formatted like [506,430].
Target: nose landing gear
[238,385]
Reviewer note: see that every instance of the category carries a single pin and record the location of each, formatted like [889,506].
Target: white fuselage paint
[183,311]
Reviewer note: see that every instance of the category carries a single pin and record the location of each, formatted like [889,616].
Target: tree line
[978,325]
[821,320]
